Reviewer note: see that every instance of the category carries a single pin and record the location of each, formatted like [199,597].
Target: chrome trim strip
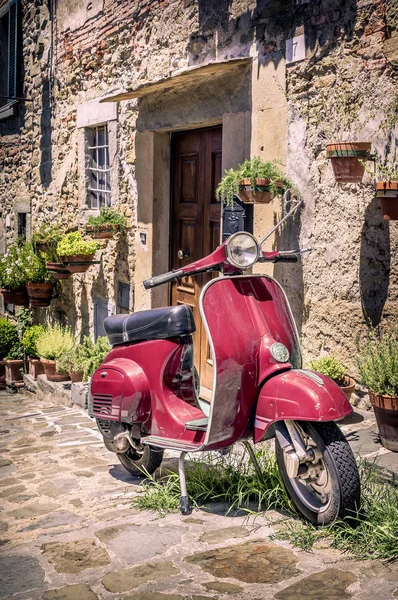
[311,375]
[172,444]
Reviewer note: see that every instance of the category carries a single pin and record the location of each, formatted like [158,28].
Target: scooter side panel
[295,395]
[239,314]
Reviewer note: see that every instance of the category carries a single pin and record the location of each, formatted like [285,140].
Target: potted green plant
[93,354]
[46,237]
[8,339]
[14,363]
[378,370]
[39,282]
[72,362]
[254,181]
[334,369]
[29,339]
[387,189]
[51,344]
[106,224]
[76,253]
[12,276]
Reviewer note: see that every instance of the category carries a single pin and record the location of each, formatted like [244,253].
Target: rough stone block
[79,394]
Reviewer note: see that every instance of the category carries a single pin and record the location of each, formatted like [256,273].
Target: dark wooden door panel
[196,158]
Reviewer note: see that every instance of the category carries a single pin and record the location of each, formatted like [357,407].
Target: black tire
[337,474]
[138,464]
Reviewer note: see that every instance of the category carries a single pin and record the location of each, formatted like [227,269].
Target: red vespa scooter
[145,396]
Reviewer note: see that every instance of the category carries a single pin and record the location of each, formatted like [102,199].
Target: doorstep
[65,392]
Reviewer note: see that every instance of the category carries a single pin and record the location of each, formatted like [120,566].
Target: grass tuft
[227,479]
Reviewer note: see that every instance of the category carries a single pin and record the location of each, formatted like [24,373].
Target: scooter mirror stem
[289,214]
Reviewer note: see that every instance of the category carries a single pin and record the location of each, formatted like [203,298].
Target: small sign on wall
[295,49]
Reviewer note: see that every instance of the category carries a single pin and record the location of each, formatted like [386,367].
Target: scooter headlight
[242,250]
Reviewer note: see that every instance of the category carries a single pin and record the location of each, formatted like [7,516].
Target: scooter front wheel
[141,463]
[327,487]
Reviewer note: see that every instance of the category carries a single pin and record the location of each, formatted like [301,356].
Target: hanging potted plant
[12,276]
[47,237]
[387,190]
[72,362]
[29,338]
[334,369]
[50,345]
[254,181]
[39,282]
[347,160]
[76,253]
[14,363]
[8,339]
[106,224]
[378,369]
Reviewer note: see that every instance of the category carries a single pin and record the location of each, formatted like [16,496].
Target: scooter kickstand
[185,507]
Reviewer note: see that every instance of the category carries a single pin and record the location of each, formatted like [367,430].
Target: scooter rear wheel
[140,463]
[329,487]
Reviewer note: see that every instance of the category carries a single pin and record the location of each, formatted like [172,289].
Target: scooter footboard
[298,395]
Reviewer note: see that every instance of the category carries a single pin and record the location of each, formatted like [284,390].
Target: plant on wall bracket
[254,181]
[386,184]
[106,224]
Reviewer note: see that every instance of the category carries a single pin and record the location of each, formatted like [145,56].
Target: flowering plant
[21,264]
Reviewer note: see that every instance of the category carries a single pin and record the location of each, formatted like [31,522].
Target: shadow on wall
[290,276]
[374,267]
[45,138]
[270,22]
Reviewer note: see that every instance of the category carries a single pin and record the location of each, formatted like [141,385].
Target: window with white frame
[99,171]
[9,46]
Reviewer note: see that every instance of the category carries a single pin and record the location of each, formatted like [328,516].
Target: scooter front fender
[298,395]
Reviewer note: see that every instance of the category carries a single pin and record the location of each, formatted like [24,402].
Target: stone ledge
[65,392]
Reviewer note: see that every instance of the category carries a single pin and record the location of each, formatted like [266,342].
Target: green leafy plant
[252,169]
[72,361]
[16,352]
[34,265]
[73,243]
[47,235]
[93,354]
[8,336]
[107,216]
[383,169]
[331,367]
[29,339]
[378,362]
[54,341]
[24,320]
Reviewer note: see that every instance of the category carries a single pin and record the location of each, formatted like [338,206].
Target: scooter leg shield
[297,395]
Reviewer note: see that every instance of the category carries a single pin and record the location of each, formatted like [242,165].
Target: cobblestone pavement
[68,530]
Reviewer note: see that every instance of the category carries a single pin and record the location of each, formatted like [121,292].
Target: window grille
[9,52]
[12,49]
[99,167]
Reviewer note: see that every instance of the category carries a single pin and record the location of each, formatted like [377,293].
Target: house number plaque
[295,49]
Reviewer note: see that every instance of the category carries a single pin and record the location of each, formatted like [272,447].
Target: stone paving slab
[69,531]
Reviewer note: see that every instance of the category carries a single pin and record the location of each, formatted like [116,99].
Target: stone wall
[85,51]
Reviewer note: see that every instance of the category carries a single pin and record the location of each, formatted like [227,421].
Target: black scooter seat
[155,324]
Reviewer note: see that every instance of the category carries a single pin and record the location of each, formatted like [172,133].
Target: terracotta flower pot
[40,294]
[14,372]
[35,367]
[105,231]
[2,375]
[386,413]
[50,371]
[259,194]
[345,160]
[58,270]
[19,296]
[78,263]
[76,376]
[387,192]
[348,387]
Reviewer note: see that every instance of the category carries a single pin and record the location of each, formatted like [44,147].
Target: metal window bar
[100,184]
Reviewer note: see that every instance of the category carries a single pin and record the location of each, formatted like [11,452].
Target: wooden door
[196,221]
